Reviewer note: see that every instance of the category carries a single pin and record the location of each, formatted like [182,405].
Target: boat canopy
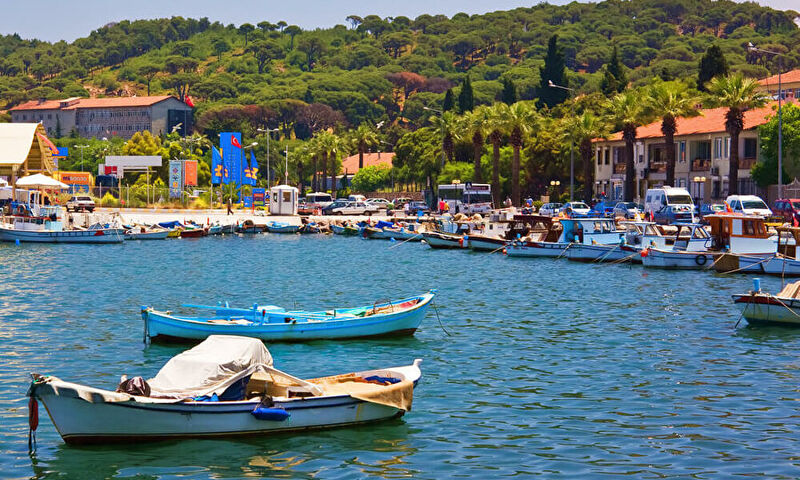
[210,367]
[172,224]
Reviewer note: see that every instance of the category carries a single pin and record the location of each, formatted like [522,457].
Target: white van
[669,200]
[357,198]
[318,200]
[748,205]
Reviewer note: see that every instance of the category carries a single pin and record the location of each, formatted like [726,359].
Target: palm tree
[475,123]
[626,109]
[583,129]
[336,145]
[363,137]
[738,94]
[670,101]
[314,149]
[446,127]
[327,144]
[518,123]
[494,125]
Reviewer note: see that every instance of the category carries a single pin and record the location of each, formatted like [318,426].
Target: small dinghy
[443,240]
[225,386]
[144,233]
[282,227]
[268,322]
[346,230]
[759,307]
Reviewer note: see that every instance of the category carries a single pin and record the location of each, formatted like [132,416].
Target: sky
[70,19]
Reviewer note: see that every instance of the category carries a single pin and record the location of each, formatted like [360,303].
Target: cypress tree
[309,96]
[58,126]
[449,103]
[711,65]
[509,93]
[552,71]
[466,101]
[614,78]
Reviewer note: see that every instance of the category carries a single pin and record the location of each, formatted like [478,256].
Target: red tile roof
[92,103]
[711,120]
[350,164]
[792,76]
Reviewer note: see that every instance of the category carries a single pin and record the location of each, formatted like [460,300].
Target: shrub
[109,200]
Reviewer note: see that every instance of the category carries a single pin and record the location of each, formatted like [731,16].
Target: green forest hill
[387,71]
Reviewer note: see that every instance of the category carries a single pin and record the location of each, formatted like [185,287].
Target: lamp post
[780,56]
[82,147]
[554,184]
[571,138]
[268,131]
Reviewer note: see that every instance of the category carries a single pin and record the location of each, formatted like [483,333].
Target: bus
[467,197]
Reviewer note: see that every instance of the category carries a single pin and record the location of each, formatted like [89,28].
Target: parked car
[80,203]
[575,208]
[789,209]
[336,207]
[415,208]
[381,203]
[357,198]
[711,208]
[674,213]
[550,209]
[349,208]
[626,209]
[749,205]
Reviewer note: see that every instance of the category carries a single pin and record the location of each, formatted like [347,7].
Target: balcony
[747,163]
[701,164]
[619,167]
[658,167]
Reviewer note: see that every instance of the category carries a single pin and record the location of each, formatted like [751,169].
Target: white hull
[436,240]
[788,267]
[536,249]
[147,235]
[764,309]
[401,235]
[482,245]
[655,258]
[80,421]
[110,235]
[603,253]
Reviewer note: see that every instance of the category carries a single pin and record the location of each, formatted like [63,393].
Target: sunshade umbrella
[40,181]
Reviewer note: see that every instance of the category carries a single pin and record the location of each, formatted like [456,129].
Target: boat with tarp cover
[225,386]
[759,307]
[269,322]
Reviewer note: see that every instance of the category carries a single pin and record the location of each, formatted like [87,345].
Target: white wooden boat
[759,307]
[535,249]
[782,259]
[225,386]
[687,250]
[574,232]
[282,227]
[143,233]
[603,253]
[441,240]
[44,226]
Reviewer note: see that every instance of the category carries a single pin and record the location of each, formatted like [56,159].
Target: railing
[701,164]
[619,168]
[747,163]
[658,167]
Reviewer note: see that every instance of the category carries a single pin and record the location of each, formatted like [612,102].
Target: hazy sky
[69,19]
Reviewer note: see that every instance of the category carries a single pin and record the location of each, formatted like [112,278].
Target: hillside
[380,69]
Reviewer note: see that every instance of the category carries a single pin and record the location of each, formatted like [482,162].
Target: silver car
[550,209]
[626,209]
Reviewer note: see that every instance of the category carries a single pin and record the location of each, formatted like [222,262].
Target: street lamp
[268,131]
[554,184]
[571,138]
[82,147]
[780,56]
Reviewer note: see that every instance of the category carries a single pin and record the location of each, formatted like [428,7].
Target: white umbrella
[40,181]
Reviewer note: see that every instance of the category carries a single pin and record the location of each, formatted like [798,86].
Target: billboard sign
[258,197]
[190,173]
[175,178]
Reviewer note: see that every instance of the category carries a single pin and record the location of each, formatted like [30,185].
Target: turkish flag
[235,142]
[189,101]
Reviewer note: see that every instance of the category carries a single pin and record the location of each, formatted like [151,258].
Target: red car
[789,209]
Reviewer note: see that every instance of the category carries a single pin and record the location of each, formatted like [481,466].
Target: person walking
[230,210]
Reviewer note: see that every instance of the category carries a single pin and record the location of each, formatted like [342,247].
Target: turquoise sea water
[551,368]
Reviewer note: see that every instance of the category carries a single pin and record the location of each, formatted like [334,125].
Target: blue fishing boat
[282,227]
[269,322]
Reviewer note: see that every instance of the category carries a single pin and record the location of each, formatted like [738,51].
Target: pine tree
[309,96]
[552,71]
[614,78]
[449,103]
[712,64]
[466,100]
[509,93]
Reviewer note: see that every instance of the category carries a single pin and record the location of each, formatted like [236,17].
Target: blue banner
[253,169]
[231,145]
[248,202]
[175,178]
[258,196]
[217,168]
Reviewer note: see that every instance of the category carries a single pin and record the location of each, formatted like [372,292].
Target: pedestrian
[507,203]
[230,210]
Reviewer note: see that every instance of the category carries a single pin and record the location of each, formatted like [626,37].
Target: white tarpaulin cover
[40,181]
[210,367]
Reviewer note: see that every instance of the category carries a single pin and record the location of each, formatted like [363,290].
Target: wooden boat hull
[79,421]
[285,326]
[443,240]
[536,249]
[194,233]
[108,235]
[403,235]
[482,243]
[162,235]
[760,309]
[346,231]
[603,253]
[174,233]
[656,258]
[283,228]
[766,264]
[215,230]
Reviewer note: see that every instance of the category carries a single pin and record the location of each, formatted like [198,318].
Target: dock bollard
[756,284]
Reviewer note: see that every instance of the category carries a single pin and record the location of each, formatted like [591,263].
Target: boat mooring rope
[437,318]
[600,259]
[564,251]
[406,240]
[747,266]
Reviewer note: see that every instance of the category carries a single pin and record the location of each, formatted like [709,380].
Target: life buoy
[700,260]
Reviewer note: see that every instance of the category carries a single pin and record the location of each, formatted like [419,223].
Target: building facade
[702,156]
[789,85]
[107,117]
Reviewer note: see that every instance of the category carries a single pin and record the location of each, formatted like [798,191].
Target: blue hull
[69,236]
[280,325]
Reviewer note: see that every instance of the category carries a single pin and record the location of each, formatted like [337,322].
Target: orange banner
[190,173]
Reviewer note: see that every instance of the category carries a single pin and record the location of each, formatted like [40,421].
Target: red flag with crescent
[235,142]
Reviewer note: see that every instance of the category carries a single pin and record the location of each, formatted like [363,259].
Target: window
[727,147]
[607,155]
[682,151]
[750,147]
[718,147]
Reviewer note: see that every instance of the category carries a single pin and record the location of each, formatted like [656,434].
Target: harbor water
[540,367]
